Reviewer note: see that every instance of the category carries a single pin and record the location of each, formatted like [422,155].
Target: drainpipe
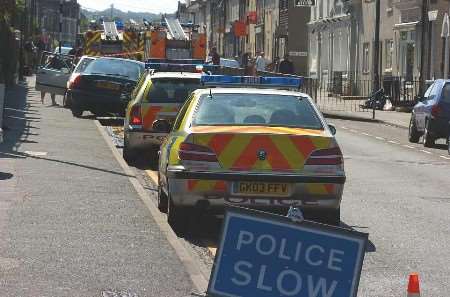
[422,45]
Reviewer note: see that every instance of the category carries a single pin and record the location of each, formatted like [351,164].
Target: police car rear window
[256,110]
[171,90]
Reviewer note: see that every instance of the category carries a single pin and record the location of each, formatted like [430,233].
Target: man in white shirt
[260,62]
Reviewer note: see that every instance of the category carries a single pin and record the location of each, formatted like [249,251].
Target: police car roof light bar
[252,81]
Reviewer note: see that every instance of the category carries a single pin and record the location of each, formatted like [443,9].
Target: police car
[159,95]
[250,143]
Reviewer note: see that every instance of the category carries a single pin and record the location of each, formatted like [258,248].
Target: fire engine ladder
[175,29]
[110,30]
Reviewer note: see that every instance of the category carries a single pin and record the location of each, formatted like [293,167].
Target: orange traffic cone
[413,285]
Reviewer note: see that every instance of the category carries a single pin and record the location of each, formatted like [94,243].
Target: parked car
[53,73]
[104,87]
[225,62]
[79,68]
[260,148]
[157,96]
[430,117]
[64,50]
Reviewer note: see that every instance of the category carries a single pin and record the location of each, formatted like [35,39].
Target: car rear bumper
[138,139]
[217,189]
[96,102]
[440,127]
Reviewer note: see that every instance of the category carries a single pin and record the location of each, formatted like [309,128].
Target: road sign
[267,255]
[307,3]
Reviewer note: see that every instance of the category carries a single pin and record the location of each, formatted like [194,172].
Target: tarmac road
[399,193]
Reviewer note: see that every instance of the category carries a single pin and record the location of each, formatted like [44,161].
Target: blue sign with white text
[267,255]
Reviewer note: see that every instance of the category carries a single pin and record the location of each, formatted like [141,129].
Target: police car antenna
[210,94]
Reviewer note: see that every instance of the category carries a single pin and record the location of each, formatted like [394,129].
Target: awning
[410,25]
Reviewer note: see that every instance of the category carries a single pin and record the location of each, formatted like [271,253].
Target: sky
[155,6]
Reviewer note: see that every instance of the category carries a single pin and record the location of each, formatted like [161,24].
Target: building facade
[47,16]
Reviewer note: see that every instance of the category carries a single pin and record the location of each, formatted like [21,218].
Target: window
[181,114]
[256,110]
[171,90]
[114,67]
[445,97]
[366,61]
[389,45]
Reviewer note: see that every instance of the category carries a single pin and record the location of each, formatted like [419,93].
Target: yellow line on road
[211,247]
[153,176]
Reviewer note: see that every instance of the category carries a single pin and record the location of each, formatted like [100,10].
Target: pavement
[71,223]
[394,118]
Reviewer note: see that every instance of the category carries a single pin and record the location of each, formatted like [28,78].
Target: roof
[176,75]
[262,91]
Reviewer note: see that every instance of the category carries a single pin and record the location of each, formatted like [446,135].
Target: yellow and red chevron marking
[150,114]
[320,189]
[240,151]
[197,185]
[95,37]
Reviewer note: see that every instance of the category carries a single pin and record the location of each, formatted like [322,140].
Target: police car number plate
[261,189]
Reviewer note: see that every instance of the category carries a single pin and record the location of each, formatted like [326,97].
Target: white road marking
[426,152]
[408,146]
[35,154]
[379,138]
[445,157]
[343,127]
[354,131]
[366,134]
[393,142]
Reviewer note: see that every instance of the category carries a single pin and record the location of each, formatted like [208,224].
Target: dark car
[103,88]
[431,115]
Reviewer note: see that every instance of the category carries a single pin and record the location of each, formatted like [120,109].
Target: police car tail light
[195,152]
[135,115]
[330,156]
[75,81]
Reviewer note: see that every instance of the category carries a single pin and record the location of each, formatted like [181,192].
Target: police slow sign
[266,255]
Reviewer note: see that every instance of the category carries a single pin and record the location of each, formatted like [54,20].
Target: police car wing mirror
[332,129]
[161,126]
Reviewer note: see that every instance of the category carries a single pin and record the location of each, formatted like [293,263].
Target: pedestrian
[260,62]
[215,58]
[286,66]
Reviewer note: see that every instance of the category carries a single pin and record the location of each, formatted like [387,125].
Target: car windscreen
[83,64]
[172,90]
[118,68]
[256,110]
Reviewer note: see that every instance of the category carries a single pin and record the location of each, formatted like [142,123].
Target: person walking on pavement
[286,66]
[215,58]
[260,62]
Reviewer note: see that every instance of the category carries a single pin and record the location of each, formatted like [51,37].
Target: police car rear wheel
[331,217]
[128,154]
[177,217]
